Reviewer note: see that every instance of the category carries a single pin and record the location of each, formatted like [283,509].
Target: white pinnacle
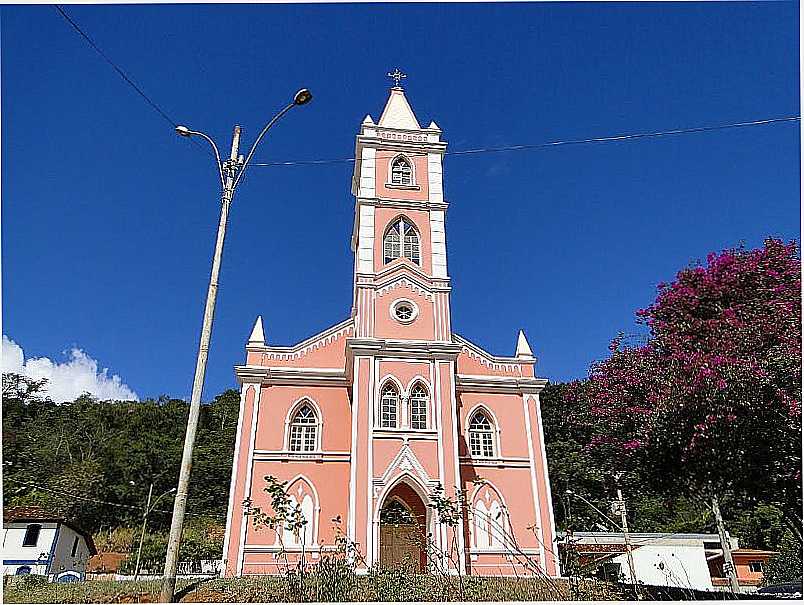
[257,335]
[523,350]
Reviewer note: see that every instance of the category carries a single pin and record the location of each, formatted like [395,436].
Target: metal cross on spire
[396,76]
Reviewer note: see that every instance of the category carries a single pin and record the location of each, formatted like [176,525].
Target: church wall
[421,220]
[362,419]
[422,328]
[542,482]
[328,351]
[473,364]
[276,402]
[422,182]
[508,416]
[448,423]
[385,450]
[427,453]
[327,481]
[237,489]
[405,372]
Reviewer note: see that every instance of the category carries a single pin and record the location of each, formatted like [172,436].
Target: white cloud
[67,380]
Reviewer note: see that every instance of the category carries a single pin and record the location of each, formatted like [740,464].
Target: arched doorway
[403,522]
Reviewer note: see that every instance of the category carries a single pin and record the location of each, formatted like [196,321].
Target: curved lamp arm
[153,506]
[186,132]
[257,142]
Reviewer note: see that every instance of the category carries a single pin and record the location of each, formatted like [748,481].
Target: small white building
[37,542]
[687,561]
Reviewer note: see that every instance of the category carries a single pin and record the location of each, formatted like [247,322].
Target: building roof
[26,514]
[615,537]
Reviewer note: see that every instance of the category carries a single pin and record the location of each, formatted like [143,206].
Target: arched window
[418,407]
[303,430]
[389,404]
[401,171]
[481,436]
[401,239]
[490,522]
[300,526]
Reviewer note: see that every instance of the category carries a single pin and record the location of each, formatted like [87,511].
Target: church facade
[370,419]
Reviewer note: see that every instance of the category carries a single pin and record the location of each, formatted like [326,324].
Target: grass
[382,586]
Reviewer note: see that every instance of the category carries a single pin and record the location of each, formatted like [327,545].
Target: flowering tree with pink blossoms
[711,402]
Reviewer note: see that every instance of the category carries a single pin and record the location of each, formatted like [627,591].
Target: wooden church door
[400,537]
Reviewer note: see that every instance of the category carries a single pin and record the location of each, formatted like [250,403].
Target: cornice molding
[389,144]
[401,348]
[402,204]
[285,456]
[499,384]
[292,376]
[505,461]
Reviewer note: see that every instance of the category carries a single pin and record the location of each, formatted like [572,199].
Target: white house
[689,561]
[37,542]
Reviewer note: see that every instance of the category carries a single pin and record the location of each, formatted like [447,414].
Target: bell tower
[399,236]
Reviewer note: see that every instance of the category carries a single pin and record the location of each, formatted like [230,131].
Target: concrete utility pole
[728,561]
[620,504]
[230,173]
[142,533]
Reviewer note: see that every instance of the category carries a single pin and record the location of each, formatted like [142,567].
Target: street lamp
[230,172]
[148,508]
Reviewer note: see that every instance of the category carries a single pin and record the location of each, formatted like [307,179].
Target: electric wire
[122,73]
[118,69]
[96,501]
[506,148]
[558,143]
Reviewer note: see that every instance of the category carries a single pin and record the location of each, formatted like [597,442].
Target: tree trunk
[793,522]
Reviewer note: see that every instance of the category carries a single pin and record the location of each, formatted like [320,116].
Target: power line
[526,147]
[119,70]
[85,499]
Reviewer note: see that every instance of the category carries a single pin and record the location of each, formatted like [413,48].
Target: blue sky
[108,218]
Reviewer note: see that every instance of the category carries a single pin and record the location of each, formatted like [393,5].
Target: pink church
[372,415]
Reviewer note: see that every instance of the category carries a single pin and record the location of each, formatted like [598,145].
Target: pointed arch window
[481,436]
[401,239]
[389,404]
[419,399]
[303,430]
[491,526]
[301,526]
[401,171]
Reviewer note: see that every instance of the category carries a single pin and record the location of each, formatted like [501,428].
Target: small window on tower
[401,172]
[401,239]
